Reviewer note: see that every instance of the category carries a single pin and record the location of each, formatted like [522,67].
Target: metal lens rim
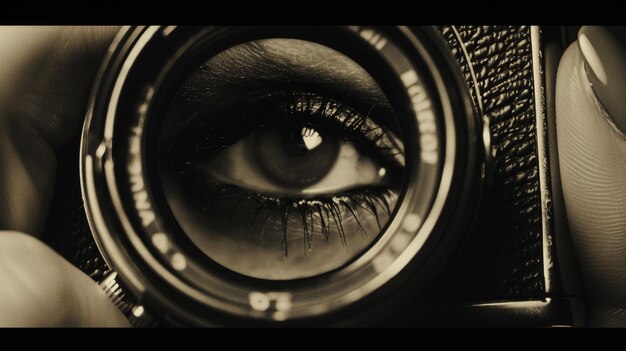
[126,245]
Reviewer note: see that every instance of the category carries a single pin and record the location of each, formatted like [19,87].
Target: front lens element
[281,159]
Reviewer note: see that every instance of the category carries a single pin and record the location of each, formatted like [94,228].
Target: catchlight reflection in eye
[310,137]
[276,161]
[281,159]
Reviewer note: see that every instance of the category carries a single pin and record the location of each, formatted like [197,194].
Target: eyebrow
[264,63]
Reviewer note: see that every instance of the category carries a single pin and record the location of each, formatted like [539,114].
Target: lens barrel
[140,238]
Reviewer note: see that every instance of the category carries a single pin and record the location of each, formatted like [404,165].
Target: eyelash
[209,138]
[355,126]
[308,108]
[324,211]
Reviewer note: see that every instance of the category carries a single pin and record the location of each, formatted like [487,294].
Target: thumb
[592,155]
[39,288]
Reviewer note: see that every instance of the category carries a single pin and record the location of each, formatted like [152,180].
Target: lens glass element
[281,159]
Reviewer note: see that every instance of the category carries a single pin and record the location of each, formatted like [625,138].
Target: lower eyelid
[244,214]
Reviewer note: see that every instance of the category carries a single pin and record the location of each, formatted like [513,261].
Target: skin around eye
[263,64]
[281,159]
[261,226]
[277,238]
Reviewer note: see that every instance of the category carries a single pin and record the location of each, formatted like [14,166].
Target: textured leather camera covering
[503,259]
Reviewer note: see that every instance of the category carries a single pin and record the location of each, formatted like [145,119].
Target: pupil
[297,155]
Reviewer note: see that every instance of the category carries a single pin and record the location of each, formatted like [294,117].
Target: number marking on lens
[137,186]
[377,40]
[400,241]
[425,116]
[279,315]
[261,301]
[168,30]
[412,222]
[138,311]
[382,261]
[179,262]
[161,242]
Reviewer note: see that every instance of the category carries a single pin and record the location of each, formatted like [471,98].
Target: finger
[39,288]
[46,74]
[592,154]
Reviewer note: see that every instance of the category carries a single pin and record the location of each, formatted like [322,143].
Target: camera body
[509,271]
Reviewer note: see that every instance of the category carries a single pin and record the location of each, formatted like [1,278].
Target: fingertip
[592,159]
[603,51]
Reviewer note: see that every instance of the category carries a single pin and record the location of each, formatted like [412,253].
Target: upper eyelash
[208,138]
[356,126]
[325,211]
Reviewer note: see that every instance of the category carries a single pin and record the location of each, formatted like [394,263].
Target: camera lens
[279,174]
[281,159]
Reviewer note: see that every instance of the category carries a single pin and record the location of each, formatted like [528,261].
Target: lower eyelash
[326,212]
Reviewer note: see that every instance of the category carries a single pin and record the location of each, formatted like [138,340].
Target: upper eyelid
[276,61]
[271,57]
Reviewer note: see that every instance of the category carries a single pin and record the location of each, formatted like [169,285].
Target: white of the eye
[351,170]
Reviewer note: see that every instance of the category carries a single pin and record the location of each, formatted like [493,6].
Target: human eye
[306,145]
[281,159]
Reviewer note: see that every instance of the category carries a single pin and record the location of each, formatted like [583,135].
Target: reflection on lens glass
[281,159]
